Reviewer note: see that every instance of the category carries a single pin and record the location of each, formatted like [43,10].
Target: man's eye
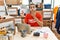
[33,7]
[30,7]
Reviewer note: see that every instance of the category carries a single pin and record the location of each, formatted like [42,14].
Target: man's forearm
[38,21]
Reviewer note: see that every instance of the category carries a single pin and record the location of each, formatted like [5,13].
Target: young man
[33,18]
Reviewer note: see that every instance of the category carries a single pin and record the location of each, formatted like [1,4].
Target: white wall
[25,2]
[36,1]
[56,3]
[47,1]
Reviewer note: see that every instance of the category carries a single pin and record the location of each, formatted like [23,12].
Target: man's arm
[26,19]
[38,21]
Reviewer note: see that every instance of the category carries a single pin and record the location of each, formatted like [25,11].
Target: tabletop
[51,35]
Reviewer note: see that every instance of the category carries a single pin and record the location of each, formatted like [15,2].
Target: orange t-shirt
[55,13]
[30,20]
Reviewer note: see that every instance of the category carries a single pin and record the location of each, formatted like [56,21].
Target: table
[51,35]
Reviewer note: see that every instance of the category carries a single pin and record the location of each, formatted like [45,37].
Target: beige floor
[57,35]
[55,32]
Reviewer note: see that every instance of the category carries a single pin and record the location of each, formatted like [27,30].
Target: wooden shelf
[47,23]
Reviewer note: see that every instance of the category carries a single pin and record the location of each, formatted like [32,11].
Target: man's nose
[32,8]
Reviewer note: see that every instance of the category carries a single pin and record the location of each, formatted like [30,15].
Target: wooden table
[51,35]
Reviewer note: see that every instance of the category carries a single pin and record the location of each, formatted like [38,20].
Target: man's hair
[31,4]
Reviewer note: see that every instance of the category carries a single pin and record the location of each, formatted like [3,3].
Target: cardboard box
[12,2]
[1,2]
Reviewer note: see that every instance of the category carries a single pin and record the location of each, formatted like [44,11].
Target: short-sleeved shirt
[30,20]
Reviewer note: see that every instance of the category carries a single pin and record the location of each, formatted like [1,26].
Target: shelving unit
[47,14]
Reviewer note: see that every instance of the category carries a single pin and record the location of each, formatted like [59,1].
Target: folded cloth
[24,27]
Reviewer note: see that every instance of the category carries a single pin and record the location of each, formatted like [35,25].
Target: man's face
[32,8]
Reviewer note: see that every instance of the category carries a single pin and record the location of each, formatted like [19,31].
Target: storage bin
[47,6]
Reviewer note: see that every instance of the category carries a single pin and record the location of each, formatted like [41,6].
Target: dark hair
[31,4]
[36,6]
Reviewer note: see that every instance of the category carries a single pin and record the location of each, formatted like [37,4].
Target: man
[33,18]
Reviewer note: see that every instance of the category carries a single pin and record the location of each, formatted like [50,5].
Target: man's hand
[37,20]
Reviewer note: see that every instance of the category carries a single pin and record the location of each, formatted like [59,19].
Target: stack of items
[3,31]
